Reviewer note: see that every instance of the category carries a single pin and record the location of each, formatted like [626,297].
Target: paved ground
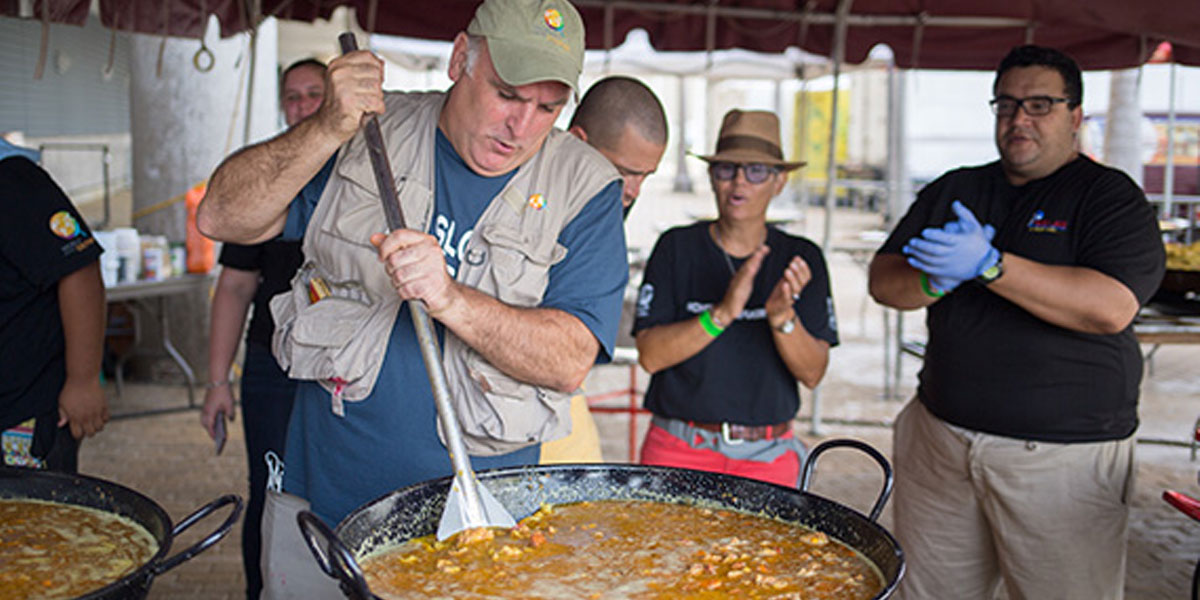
[170,459]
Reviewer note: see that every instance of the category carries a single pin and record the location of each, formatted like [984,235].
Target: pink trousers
[663,449]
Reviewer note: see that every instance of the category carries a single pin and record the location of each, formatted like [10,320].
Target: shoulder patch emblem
[64,225]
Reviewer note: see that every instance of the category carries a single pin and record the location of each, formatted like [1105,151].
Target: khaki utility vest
[334,326]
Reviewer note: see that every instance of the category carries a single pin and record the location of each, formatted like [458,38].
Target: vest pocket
[315,324]
[519,268]
[502,409]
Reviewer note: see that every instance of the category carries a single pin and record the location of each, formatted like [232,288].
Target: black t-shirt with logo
[739,377]
[42,240]
[277,261]
[992,366]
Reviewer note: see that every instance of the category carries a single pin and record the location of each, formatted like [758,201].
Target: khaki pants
[582,445]
[972,510]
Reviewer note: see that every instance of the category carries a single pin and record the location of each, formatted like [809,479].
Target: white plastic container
[110,264]
[129,254]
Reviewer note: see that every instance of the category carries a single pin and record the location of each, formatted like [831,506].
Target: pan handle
[811,463]
[208,540]
[332,556]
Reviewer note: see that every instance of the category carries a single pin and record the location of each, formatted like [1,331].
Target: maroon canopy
[941,34]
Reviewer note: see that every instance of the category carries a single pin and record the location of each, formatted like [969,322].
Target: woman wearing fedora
[730,315]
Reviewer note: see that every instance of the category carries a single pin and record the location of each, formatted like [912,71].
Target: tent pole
[252,67]
[890,215]
[839,54]
[683,183]
[1169,167]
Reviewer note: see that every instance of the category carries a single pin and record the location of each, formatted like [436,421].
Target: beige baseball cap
[532,40]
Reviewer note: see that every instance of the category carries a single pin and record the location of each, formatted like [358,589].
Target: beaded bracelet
[216,384]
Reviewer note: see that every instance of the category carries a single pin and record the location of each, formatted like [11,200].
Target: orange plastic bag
[201,255]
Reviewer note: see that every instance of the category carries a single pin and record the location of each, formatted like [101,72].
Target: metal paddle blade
[458,514]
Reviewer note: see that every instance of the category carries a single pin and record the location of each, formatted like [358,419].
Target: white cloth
[289,570]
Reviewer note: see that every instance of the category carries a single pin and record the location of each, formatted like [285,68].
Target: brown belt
[750,433]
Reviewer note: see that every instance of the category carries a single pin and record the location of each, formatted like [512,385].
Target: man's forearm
[541,346]
[896,284]
[249,193]
[82,308]
[1071,297]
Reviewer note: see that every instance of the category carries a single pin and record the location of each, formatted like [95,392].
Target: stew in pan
[53,550]
[628,549]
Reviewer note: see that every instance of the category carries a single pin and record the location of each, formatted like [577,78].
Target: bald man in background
[623,119]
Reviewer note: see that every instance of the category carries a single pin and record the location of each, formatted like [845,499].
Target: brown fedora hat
[750,136]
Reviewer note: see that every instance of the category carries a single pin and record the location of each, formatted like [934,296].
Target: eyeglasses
[754,172]
[1035,106]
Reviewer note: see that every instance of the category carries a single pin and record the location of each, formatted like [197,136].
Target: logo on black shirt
[1040,224]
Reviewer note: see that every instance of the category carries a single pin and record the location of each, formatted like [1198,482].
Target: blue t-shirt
[303,205]
[389,439]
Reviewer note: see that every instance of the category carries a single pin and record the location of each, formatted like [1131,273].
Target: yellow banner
[812,145]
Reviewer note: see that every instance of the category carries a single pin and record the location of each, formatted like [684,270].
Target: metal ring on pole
[203,59]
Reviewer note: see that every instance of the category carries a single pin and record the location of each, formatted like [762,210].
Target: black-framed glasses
[754,172]
[1035,106]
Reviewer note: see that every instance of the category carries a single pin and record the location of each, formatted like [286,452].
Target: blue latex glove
[947,284]
[955,253]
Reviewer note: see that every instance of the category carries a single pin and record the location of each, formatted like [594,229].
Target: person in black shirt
[255,274]
[51,320]
[730,315]
[1014,463]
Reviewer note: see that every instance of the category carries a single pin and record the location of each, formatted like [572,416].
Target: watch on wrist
[993,272]
[787,326]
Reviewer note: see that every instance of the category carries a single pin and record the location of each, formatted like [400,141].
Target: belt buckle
[726,437]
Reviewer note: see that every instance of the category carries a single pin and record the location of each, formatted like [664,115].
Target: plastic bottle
[155,262]
[110,263]
[129,254]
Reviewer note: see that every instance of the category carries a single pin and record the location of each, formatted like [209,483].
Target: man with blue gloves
[1014,463]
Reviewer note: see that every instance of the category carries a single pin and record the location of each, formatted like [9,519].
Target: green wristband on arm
[929,290]
[710,327]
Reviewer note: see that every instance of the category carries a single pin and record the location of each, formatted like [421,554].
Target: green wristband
[711,328]
[929,289]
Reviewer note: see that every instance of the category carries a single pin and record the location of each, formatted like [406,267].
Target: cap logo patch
[537,202]
[64,225]
[553,18]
